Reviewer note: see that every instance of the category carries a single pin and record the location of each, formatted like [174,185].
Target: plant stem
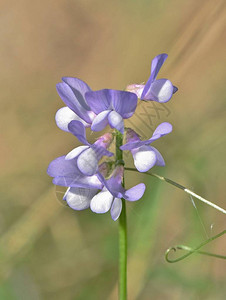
[122,231]
[123,253]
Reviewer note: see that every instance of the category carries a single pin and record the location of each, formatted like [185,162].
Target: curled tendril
[195,250]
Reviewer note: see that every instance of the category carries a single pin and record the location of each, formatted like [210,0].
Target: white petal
[100,121]
[64,116]
[161,90]
[116,121]
[101,203]
[75,152]
[87,162]
[79,198]
[144,158]
[159,159]
[116,208]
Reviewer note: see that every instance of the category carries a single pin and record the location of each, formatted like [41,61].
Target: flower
[159,90]
[111,106]
[145,156]
[66,173]
[79,198]
[89,155]
[72,91]
[109,198]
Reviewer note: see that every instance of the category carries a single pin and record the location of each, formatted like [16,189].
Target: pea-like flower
[89,155]
[79,198]
[110,196]
[111,107]
[159,90]
[145,156]
[72,92]
[66,173]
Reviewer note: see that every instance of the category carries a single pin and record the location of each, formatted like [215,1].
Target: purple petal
[101,202]
[114,184]
[135,193]
[116,208]
[79,198]
[101,151]
[132,145]
[75,152]
[159,159]
[78,180]
[62,167]
[64,116]
[100,121]
[160,90]
[124,102]
[87,162]
[156,64]
[175,89]
[99,100]
[116,121]
[75,103]
[144,158]
[163,129]
[79,88]
[78,129]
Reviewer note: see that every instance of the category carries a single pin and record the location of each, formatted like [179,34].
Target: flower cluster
[100,185]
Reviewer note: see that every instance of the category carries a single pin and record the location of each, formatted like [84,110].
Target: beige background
[48,251]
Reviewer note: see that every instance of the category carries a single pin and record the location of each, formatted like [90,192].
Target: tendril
[195,250]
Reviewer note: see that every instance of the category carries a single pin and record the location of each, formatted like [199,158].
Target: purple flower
[67,173]
[110,196]
[111,107]
[159,90]
[145,156]
[89,155]
[81,188]
[72,91]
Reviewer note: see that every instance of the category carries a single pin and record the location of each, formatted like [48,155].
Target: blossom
[109,198]
[79,198]
[145,156]
[111,107]
[88,155]
[72,92]
[159,90]
[66,173]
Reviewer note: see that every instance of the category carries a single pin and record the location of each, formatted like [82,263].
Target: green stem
[122,231]
[123,253]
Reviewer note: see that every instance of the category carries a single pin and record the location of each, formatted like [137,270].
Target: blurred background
[49,251]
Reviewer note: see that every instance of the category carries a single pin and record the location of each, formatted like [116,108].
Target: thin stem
[122,231]
[182,188]
[123,253]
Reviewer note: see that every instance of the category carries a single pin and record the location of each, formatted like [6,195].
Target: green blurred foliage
[48,251]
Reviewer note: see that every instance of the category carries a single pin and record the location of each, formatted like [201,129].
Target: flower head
[145,156]
[101,186]
[159,90]
[72,91]
[89,155]
[109,198]
[111,107]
